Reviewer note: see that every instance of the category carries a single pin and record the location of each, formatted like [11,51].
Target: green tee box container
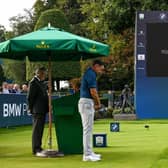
[68,124]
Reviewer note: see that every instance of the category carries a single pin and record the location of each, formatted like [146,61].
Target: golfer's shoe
[91,158]
[96,155]
[40,154]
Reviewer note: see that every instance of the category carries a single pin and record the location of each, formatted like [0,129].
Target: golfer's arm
[95,96]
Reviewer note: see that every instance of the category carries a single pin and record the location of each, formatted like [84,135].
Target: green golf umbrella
[52,44]
[56,43]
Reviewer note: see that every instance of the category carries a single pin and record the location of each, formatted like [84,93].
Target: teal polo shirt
[88,81]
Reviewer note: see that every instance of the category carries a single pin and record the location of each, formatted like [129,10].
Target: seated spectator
[16,88]
[1,90]
[75,83]
[24,88]
[10,87]
[5,88]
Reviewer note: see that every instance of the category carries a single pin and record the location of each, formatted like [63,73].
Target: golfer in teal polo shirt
[89,101]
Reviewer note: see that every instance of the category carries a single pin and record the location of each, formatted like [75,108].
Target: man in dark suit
[38,107]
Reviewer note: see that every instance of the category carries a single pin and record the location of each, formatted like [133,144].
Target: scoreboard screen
[157,49]
[151,64]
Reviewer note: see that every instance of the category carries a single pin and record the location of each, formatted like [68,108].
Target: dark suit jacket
[37,97]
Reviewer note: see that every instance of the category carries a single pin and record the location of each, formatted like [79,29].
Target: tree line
[108,21]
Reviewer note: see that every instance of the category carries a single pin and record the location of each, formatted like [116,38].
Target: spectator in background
[16,88]
[5,88]
[24,88]
[10,87]
[75,84]
[1,89]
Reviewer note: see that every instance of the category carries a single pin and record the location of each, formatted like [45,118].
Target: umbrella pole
[50,152]
[50,105]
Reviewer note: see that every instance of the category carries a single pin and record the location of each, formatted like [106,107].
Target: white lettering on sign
[24,108]
[14,110]
[5,110]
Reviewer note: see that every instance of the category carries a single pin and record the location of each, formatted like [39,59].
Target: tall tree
[72,11]
[94,24]
[43,5]
[2,76]
[15,70]
[120,65]
[20,25]
[2,33]
[60,70]
[38,8]
[51,4]
[154,5]
[121,14]
[2,38]
[55,17]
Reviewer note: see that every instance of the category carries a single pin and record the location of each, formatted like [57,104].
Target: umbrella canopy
[56,43]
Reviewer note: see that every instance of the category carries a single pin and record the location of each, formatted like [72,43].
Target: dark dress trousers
[38,106]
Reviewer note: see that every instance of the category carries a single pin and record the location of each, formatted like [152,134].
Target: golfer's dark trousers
[37,133]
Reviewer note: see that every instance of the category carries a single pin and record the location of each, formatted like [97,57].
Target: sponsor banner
[13,110]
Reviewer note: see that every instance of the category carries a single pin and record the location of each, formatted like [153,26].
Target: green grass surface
[133,147]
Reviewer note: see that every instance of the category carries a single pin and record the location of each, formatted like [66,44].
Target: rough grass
[133,147]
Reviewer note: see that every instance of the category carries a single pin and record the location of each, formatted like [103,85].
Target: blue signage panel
[151,64]
[13,110]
